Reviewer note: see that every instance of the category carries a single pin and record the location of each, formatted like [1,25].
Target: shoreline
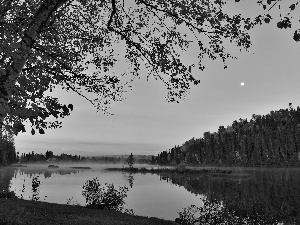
[15,211]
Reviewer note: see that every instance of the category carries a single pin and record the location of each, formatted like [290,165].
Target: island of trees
[268,140]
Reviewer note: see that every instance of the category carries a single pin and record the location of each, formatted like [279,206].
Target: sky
[144,123]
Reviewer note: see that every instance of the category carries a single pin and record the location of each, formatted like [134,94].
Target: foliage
[188,215]
[70,201]
[35,188]
[107,197]
[130,161]
[7,195]
[268,140]
[7,147]
[50,44]
[213,212]
[23,190]
[285,19]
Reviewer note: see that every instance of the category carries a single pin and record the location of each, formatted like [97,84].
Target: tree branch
[176,16]
[114,11]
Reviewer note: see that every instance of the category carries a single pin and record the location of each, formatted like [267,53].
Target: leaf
[292,7]
[23,129]
[15,130]
[70,106]
[267,20]
[34,106]
[41,131]
[42,115]
[296,36]
[285,23]
[65,109]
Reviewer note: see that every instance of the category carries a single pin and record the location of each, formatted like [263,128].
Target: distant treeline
[50,157]
[268,140]
[7,148]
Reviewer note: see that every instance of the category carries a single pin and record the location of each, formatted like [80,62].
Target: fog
[68,165]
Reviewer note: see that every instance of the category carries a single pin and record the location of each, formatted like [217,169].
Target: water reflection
[129,177]
[5,178]
[261,195]
[148,195]
[269,195]
[43,170]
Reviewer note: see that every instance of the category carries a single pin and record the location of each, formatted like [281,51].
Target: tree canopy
[267,140]
[78,45]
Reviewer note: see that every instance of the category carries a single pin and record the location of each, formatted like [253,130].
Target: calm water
[148,194]
[261,193]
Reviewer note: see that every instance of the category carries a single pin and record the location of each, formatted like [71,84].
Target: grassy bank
[21,212]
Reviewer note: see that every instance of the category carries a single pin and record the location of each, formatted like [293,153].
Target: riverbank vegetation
[271,140]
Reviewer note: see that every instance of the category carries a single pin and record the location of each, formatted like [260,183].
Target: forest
[7,148]
[271,140]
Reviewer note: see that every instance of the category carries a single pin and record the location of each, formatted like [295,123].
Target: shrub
[10,194]
[104,197]
[214,212]
[35,184]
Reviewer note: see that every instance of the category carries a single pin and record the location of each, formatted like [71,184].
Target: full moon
[242,84]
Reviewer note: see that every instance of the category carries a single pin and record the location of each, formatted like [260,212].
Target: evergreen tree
[130,161]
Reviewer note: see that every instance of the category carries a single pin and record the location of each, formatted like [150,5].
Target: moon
[242,84]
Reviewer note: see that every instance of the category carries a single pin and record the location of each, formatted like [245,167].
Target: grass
[21,212]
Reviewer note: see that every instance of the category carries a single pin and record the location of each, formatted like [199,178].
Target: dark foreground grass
[21,212]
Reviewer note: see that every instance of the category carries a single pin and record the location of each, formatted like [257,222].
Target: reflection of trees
[6,174]
[268,195]
[47,172]
[129,177]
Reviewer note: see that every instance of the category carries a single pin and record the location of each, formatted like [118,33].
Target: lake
[262,194]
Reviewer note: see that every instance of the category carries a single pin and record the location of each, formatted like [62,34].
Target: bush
[106,197]
[10,194]
[35,184]
[214,212]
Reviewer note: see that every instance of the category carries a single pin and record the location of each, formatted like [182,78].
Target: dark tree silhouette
[48,44]
[268,140]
